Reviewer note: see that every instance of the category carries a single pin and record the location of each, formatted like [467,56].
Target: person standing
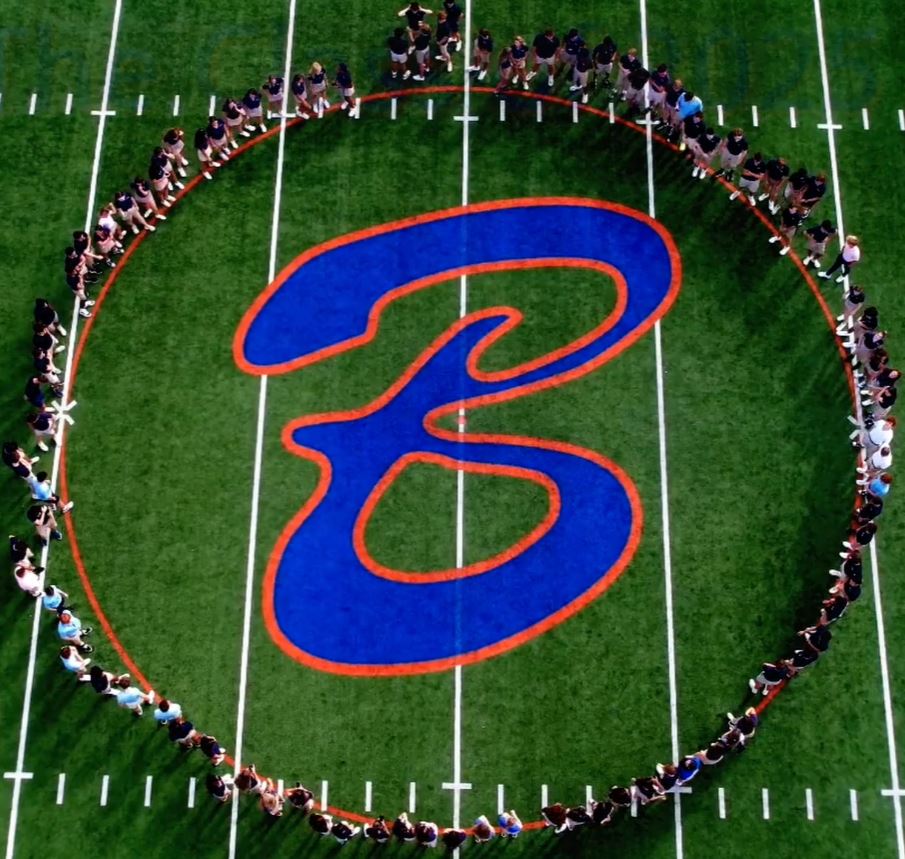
[453,18]
[752,172]
[346,89]
[546,48]
[777,174]
[518,53]
[483,48]
[604,56]
[817,237]
[789,223]
[398,46]
[733,152]
[71,631]
[442,37]
[848,257]
[708,144]
[274,89]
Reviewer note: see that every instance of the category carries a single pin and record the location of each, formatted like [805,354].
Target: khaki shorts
[398,58]
[174,148]
[728,161]
[751,185]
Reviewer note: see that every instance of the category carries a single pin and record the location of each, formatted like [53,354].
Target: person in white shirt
[28,578]
[879,435]
[846,260]
[76,663]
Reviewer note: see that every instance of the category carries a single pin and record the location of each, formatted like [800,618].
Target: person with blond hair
[317,86]
[847,258]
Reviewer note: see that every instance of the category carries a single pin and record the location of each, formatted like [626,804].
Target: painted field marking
[765,802]
[68,108]
[32,104]
[61,788]
[754,117]
[901,119]
[60,439]
[368,796]
[853,804]
[1,98]
[105,789]
[611,112]
[212,106]
[793,120]
[18,776]
[544,796]
[829,126]
[392,108]
[190,801]
[633,810]
[540,111]
[874,563]
[721,802]
[259,462]
[176,105]
[412,796]
[671,669]
[430,109]
[502,110]
[588,794]
[719,115]
[500,799]
[149,782]
[809,803]
[574,111]
[280,786]
[325,785]
[356,111]
[865,119]
[140,107]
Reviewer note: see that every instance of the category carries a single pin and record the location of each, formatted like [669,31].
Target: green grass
[162,454]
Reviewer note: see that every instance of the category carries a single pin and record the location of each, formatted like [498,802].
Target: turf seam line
[875,570]
[664,476]
[258,458]
[58,450]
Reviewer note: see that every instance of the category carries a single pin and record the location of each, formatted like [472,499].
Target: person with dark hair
[746,724]
[378,831]
[103,682]
[219,139]
[554,816]
[453,838]
[403,830]
[568,52]
[789,222]
[749,184]
[44,427]
[248,781]
[657,87]
[480,62]
[621,797]
[211,749]
[234,116]
[343,831]
[577,815]
[668,776]
[251,102]
[54,599]
[41,516]
[817,237]
[581,73]
[833,609]
[273,86]
[422,52]
[776,176]
[817,637]
[414,15]
[813,193]
[271,803]
[128,210]
[648,790]
[442,36]
[603,813]
[687,769]
[182,732]
[144,195]
[604,55]
[166,711]
[28,579]
[454,17]
[771,674]
[713,754]
[546,49]
[205,153]
[802,659]
[174,149]
[299,85]
[733,152]
[635,91]
[17,460]
[510,824]
[628,62]
[73,661]
[46,316]
[398,46]
[427,834]
[708,144]
[321,823]
[300,797]
[346,88]
[505,69]
[220,787]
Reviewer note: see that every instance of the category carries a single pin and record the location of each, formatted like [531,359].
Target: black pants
[838,263]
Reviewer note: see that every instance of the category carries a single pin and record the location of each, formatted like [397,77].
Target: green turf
[162,455]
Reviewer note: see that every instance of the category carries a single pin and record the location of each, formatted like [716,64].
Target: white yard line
[61,788]
[719,115]
[176,105]
[721,802]
[369,793]
[765,802]
[258,459]
[32,104]
[539,110]
[392,108]
[664,479]
[105,790]
[754,117]
[73,334]
[500,799]
[793,119]
[865,119]
[212,106]
[190,800]
[874,563]
[901,119]
[68,108]
[853,804]
[149,786]
[140,107]
[325,794]
[809,803]
[430,109]
[413,796]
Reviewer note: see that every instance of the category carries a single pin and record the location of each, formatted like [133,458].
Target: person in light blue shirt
[131,698]
[688,104]
[70,630]
[54,599]
[880,486]
[167,711]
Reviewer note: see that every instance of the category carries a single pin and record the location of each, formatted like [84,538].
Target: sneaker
[151,696]
[784,251]
[417,77]
[753,201]
[344,105]
[86,648]
[734,195]
[168,202]
[703,173]
[85,314]
[694,172]
[148,213]
[482,74]
[326,105]
[56,535]
[206,175]
[234,144]
[752,685]
[134,230]
[151,228]
[525,85]
[68,505]
[161,217]
[262,128]
[180,186]
[530,76]
[474,68]
[550,81]
[449,66]
[181,170]
[763,197]
[87,630]
[823,275]
[90,302]
[774,239]
[806,261]
[407,74]
[393,75]
[816,263]
[840,278]
[574,88]
[61,347]
[584,100]
[249,128]
[304,115]
[42,446]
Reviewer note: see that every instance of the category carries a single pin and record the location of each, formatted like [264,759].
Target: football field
[462,455]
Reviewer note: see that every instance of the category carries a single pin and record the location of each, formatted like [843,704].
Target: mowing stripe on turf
[875,567]
[664,478]
[60,439]
[258,461]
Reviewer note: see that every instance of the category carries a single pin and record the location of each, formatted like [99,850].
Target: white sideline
[457,785]
[874,564]
[664,478]
[73,334]
[259,455]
